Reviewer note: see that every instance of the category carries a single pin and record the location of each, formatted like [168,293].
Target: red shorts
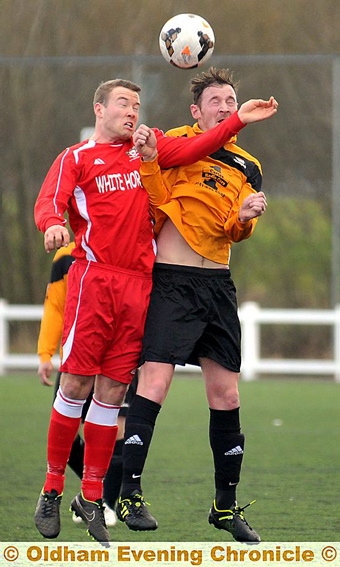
[104,321]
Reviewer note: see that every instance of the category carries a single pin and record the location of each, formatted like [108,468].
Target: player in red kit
[97,182]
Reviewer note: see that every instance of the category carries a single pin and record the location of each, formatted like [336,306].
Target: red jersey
[99,186]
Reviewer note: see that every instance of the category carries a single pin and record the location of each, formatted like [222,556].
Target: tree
[62,50]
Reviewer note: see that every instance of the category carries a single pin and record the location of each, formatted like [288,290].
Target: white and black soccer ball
[186,41]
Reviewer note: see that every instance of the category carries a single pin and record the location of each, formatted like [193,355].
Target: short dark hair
[102,93]
[208,78]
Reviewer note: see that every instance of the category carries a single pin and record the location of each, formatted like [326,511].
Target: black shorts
[192,314]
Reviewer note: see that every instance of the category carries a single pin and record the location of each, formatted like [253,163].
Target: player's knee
[233,400]
[154,381]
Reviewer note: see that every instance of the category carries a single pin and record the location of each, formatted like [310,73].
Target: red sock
[99,444]
[61,434]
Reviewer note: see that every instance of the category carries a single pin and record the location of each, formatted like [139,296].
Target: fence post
[337,343]
[249,315]
[3,335]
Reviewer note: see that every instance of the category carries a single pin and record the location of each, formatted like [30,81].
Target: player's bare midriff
[173,249]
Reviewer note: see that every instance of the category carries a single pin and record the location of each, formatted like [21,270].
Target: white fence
[252,318]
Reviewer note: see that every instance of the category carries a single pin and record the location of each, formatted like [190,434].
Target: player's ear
[195,111]
[97,109]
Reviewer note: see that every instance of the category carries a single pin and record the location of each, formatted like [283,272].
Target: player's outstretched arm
[257,109]
[174,151]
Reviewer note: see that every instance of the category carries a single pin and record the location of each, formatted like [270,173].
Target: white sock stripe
[68,400]
[66,406]
[102,414]
[103,405]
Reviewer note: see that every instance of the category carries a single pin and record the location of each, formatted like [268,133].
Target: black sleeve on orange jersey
[249,168]
[61,267]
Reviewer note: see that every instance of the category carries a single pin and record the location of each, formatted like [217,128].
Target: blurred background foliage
[53,55]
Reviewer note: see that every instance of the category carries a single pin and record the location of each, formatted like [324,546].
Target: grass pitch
[291,464]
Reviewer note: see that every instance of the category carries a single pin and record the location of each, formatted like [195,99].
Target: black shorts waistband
[193,270]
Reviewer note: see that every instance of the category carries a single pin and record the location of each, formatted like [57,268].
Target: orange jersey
[53,312]
[203,199]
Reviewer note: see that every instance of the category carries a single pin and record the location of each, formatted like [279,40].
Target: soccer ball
[186,41]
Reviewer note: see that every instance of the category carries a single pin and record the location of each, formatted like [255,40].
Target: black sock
[227,445]
[76,459]
[139,426]
[113,478]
